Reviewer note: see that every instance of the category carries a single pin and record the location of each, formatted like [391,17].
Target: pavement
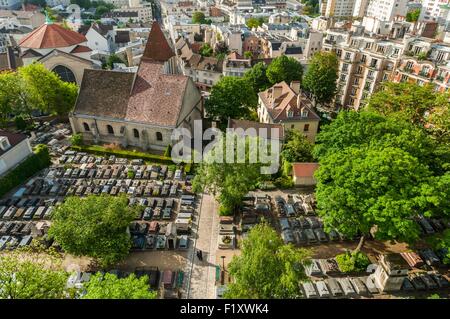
[201,282]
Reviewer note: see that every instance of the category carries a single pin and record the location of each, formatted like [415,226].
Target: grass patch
[102,151]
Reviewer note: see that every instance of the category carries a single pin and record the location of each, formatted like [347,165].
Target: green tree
[113,58]
[231,97]
[26,279]
[296,148]
[361,129]
[228,181]
[359,188]
[76,139]
[41,89]
[95,226]
[321,76]
[284,68]
[257,77]
[108,286]
[413,15]
[206,50]
[266,268]
[254,22]
[9,96]
[420,105]
[352,261]
[198,17]
[248,54]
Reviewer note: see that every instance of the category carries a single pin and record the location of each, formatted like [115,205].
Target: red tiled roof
[80,49]
[156,98]
[304,169]
[279,106]
[51,36]
[157,48]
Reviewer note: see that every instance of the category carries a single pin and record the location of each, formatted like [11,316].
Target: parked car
[284,224]
[148,213]
[322,289]
[287,236]
[320,234]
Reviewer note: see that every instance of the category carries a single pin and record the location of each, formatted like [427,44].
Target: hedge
[99,150]
[33,164]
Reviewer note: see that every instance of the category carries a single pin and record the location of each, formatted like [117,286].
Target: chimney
[295,86]
[276,92]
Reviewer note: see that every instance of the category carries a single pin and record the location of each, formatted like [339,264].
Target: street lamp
[222,277]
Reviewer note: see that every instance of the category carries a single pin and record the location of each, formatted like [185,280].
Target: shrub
[130,174]
[20,123]
[76,139]
[352,262]
[102,151]
[225,211]
[39,160]
[284,182]
[187,168]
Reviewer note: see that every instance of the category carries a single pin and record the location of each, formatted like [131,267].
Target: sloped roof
[51,36]
[304,169]
[156,98]
[157,48]
[122,37]
[104,93]
[279,106]
[13,139]
[80,49]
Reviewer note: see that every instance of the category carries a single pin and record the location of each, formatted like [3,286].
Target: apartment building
[424,62]
[381,13]
[364,62]
[433,10]
[339,8]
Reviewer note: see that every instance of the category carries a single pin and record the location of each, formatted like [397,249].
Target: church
[138,109]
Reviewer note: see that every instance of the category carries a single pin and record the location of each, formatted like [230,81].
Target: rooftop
[51,36]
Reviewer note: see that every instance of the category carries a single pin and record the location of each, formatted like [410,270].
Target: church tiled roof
[49,36]
[157,48]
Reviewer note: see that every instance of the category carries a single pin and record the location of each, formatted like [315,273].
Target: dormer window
[304,112]
[4,143]
[290,114]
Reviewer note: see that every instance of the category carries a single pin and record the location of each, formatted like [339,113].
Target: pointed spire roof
[157,48]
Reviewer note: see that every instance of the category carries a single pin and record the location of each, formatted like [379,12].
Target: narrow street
[202,275]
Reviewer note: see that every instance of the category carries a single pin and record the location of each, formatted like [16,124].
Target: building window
[158,136]
[306,128]
[64,73]
[110,129]
[86,127]
[136,133]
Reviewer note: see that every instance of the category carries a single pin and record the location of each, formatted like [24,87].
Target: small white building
[14,148]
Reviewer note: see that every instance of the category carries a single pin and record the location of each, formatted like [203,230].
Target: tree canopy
[321,77]
[420,105]
[109,286]
[284,68]
[231,97]
[230,182]
[296,148]
[413,15]
[266,268]
[26,279]
[95,226]
[198,17]
[206,50]
[33,87]
[254,22]
[257,77]
[378,171]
